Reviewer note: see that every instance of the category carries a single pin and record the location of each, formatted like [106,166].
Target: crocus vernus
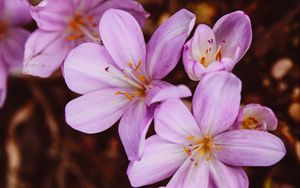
[199,148]
[255,116]
[123,77]
[13,15]
[64,25]
[219,48]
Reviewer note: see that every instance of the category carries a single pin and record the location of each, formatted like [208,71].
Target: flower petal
[132,7]
[50,16]
[12,48]
[3,79]
[203,43]
[249,148]
[165,46]
[96,112]
[45,52]
[195,69]
[191,176]
[234,34]
[159,91]
[133,128]
[216,102]
[255,116]
[88,68]
[123,38]
[160,160]
[16,12]
[175,123]
[226,176]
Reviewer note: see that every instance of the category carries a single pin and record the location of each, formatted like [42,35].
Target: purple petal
[123,38]
[227,176]
[160,160]
[12,47]
[216,102]
[159,91]
[45,52]
[133,128]
[51,15]
[175,123]
[190,176]
[3,79]
[195,69]
[16,12]
[249,148]
[234,34]
[203,43]
[88,67]
[165,46]
[132,7]
[255,116]
[97,111]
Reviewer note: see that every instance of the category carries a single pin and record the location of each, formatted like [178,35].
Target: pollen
[250,123]
[138,66]
[219,55]
[128,96]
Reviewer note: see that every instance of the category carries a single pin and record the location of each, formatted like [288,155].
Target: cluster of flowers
[101,50]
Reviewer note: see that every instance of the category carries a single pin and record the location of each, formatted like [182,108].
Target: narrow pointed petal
[3,78]
[17,12]
[160,160]
[96,111]
[132,7]
[226,176]
[12,48]
[255,116]
[216,102]
[45,52]
[191,176]
[133,128]
[234,34]
[194,68]
[249,148]
[89,67]
[160,91]
[165,46]
[175,123]
[123,38]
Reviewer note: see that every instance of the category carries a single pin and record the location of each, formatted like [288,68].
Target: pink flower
[198,149]
[255,116]
[64,25]
[219,48]
[123,78]
[13,15]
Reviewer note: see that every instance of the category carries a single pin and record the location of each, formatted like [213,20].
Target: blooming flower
[13,14]
[255,116]
[200,149]
[219,48]
[124,78]
[64,25]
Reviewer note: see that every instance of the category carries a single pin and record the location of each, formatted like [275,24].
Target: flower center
[209,56]
[250,123]
[200,147]
[133,77]
[83,26]
[2,29]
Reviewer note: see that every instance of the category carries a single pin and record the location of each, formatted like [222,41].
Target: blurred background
[38,149]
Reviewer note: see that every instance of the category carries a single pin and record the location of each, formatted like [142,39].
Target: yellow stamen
[142,78]
[129,97]
[202,61]
[138,66]
[219,55]
[74,37]
[249,123]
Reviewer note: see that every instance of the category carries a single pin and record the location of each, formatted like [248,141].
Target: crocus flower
[255,116]
[199,149]
[13,15]
[123,78]
[64,25]
[219,48]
